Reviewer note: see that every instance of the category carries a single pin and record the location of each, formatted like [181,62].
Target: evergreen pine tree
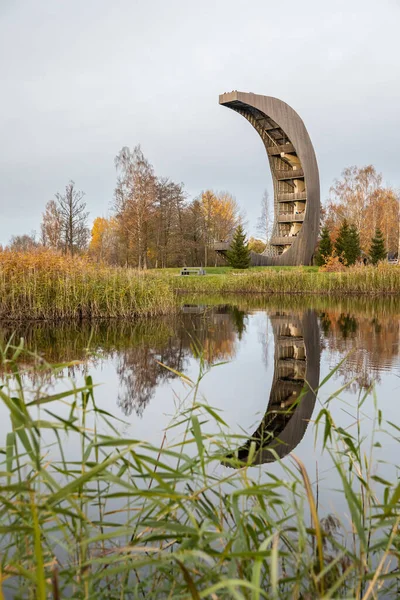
[342,241]
[324,248]
[238,254]
[377,251]
[353,250]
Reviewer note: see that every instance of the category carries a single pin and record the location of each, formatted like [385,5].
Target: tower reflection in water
[292,398]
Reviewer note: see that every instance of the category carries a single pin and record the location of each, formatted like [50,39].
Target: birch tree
[135,196]
[265,220]
[51,227]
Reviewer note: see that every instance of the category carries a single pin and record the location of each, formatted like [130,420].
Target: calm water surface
[259,355]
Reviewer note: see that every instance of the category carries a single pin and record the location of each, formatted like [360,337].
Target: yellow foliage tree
[103,239]
[256,245]
[220,215]
[360,198]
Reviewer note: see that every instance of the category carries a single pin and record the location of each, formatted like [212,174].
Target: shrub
[334,264]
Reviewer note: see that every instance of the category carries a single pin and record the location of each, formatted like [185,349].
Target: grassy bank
[228,270]
[89,513]
[45,286]
[381,280]
[42,285]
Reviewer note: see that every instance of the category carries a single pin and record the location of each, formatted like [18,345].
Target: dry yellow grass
[46,285]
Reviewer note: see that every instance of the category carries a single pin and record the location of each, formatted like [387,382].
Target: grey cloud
[82,79]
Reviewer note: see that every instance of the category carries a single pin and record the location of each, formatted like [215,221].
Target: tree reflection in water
[371,342]
[366,330]
[137,348]
[214,331]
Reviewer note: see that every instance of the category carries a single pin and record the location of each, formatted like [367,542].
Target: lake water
[258,355]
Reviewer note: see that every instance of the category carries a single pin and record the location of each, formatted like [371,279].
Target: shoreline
[48,287]
[251,300]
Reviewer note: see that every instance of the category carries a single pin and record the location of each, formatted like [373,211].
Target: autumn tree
[164,220]
[360,197]
[158,226]
[256,245]
[207,204]
[104,242]
[386,217]
[351,195]
[193,233]
[51,227]
[23,243]
[226,216]
[153,223]
[73,218]
[170,204]
[135,198]
[377,250]
[220,217]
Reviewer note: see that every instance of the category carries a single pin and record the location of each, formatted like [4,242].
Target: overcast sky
[81,79]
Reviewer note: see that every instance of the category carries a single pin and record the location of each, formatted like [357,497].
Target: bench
[188,271]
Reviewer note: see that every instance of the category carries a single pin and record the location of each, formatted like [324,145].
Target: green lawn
[226,270]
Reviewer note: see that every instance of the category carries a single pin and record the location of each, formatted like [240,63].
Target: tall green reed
[87,512]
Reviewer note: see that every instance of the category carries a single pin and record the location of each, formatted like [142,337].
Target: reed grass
[89,513]
[45,285]
[42,285]
[381,280]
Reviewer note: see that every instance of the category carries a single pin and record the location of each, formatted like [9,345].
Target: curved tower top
[295,177]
